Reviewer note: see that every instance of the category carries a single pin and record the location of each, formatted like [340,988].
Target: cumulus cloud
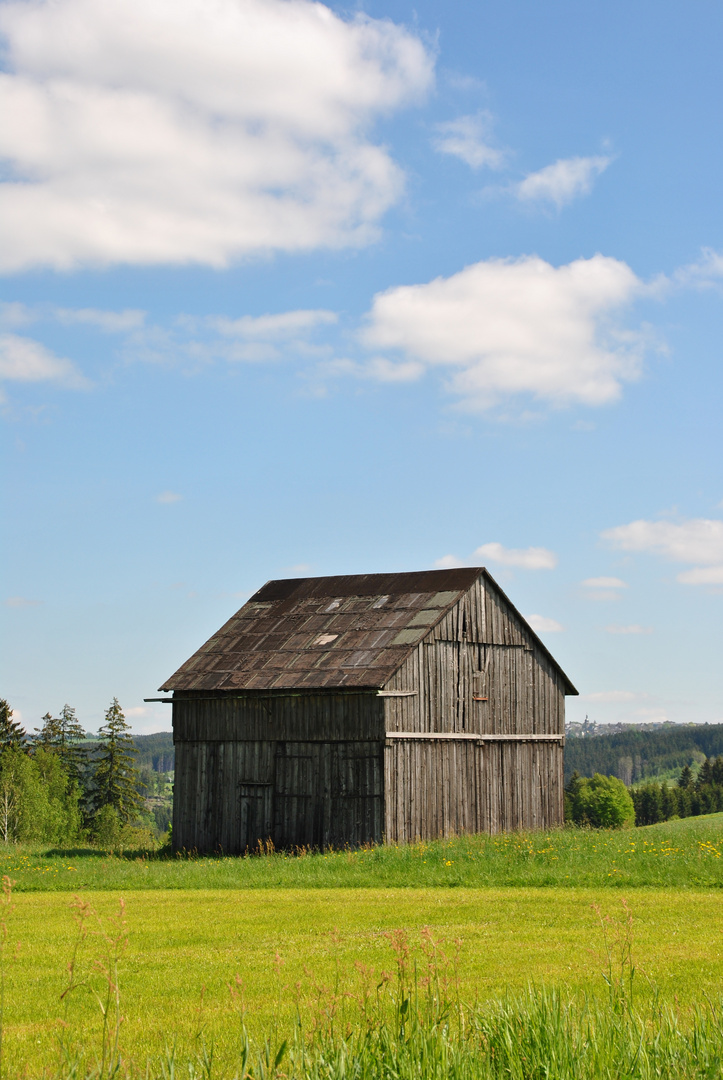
[542,625]
[532,558]
[562,182]
[14,315]
[706,273]
[282,325]
[516,326]
[604,583]
[173,131]
[602,588]
[702,575]
[633,628]
[24,360]
[110,322]
[448,562]
[697,540]
[467,138]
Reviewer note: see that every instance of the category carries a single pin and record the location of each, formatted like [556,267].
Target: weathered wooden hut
[341,710]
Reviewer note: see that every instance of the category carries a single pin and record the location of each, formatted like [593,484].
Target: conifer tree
[669,801]
[65,737]
[705,776]
[116,777]
[11,733]
[685,780]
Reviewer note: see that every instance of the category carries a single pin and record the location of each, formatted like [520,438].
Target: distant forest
[155,752]
[637,755]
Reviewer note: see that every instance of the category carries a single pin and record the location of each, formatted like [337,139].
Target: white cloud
[633,628]
[168,131]
[706,273]
[25,360]
[21,602]
[562,182]
[281,325]
[532,558]
[604,583]
[505,327]
[542,625]
[702,575]
[448,562]
[379,368]
[697,540]
[166,498]
[15,314]
[110,322]
[467,138]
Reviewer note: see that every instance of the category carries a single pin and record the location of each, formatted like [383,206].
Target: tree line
[57,786]
[688,797]
[605,802]
[640,753]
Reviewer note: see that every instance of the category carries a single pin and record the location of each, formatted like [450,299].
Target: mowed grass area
[680,854]
[296,947]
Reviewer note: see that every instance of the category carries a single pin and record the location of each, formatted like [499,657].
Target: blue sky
[291,289]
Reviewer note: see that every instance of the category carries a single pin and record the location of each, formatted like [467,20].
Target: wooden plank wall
[479,651]
[222,717]
[280,767]
[446,787]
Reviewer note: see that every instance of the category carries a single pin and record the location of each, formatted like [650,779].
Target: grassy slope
[680,854]
[182,941]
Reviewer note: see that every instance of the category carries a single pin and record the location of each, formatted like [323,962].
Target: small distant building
[341,710]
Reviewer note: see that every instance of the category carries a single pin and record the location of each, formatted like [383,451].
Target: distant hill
[155,751]
[638,753]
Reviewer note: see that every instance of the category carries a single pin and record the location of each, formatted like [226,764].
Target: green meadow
[680,854]
[200,950]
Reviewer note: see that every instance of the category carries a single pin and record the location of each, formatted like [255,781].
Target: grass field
[681,854]
[184,942]
[300,933]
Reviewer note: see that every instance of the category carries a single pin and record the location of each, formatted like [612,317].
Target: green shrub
[601,801]
[107,827]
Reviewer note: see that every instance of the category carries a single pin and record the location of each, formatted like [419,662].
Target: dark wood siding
[299,770]
[448,787]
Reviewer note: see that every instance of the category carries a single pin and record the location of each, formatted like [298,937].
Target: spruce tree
[685,780]
[65,737]
[11,733]
[705,776]
[116,777]
[669,802]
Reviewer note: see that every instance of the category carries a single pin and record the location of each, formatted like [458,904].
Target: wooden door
[255,814]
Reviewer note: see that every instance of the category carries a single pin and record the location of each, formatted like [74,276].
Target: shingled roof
[329,632]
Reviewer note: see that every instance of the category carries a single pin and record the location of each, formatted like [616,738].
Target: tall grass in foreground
[406,1023]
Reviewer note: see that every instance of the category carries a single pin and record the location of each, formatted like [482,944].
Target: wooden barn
[340,710]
